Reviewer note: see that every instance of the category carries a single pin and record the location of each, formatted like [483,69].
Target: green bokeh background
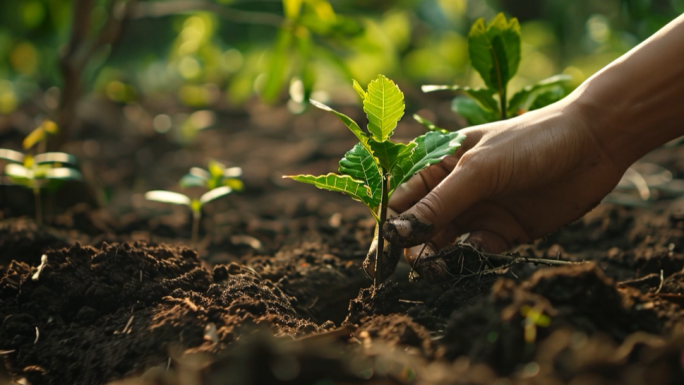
[203,58]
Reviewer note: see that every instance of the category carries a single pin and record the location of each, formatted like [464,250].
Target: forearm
[636,103]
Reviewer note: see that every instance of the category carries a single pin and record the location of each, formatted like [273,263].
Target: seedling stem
[382,214]
[196,215]
[39,209]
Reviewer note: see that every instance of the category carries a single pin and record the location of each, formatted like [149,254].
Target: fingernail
[407,230]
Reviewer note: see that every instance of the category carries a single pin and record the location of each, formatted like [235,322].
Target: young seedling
[44,171]
[372,170]
[219,180]
[495,52]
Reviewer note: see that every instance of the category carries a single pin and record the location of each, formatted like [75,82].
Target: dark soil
[275,291]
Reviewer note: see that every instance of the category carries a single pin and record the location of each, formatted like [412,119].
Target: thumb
[453,195]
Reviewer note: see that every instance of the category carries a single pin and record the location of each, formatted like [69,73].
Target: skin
[518,180]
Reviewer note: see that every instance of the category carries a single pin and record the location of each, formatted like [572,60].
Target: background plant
[38,170]
[218,179]
[495,53]
[372,170]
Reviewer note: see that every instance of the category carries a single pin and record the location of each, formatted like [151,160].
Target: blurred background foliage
[208,53]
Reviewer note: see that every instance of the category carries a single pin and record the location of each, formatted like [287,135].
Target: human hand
[510,182]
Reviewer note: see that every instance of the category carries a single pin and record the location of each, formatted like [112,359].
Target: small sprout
[372,170]
[43,171]
[37,336]
[219,180]
[495,52]
[210,333]
[43,263]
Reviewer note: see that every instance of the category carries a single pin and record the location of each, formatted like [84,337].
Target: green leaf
[523,99]
[547,97]
[216,169]
[167,197]
[351,124]
[215,194]
[428,124]
[472,111]
[359,89]
[360,164]
[292,8]
[389,153]
[277,67]
[11,155]
[495,51]
[340,183]
[384,106]
[235,184]
[484,96]
[36,136]
[190,180]
[55,157]
[430,149]
[63,173]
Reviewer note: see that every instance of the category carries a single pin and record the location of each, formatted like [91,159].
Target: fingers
[488,241]
[454,194]
[409,193]
[439,241]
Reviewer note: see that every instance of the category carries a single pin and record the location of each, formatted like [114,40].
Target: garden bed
[123,294]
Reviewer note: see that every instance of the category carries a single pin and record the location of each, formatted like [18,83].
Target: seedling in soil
[219,180]
[495,54]
[372,170]
[44,171]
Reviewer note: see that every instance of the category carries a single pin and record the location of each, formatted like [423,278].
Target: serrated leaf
[389,153]
[360,164]
[428,124]
[167,197]
[214,194]
[384,106]
[523,99]
[349,122]
[430,149]
[356,189]
[495,51]
[484,96]
[11,155]
[359,89]
[55,157]
[471,111]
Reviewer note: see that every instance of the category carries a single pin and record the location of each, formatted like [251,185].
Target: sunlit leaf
[215,194]
[389,153]
[472,111]
[63,173]
[167,197]
[11,155]
[190,180]
[18,171]
[292,8]
[232,172]
[351,124]
[523,99]
[235,184]
[360,165]
[200,173]
[484,96]
[55,157]
[428,124]
[359,89]
[50,127]
[429,149]
[495,51]
[341,183]
[216,168]
[384,106]
[36,136]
